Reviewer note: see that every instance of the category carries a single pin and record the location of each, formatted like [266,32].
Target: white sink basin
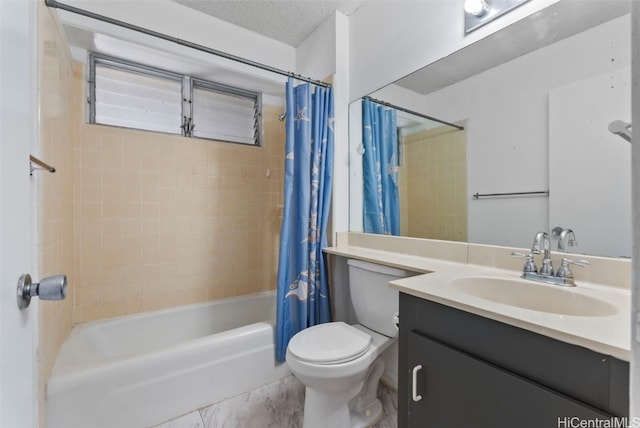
[530,295]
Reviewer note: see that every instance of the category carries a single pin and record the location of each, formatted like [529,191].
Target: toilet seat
[330,343]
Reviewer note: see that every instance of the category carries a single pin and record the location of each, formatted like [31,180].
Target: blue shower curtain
[381,206]
[303,289]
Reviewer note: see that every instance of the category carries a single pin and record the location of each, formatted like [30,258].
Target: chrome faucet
[541,244]
[567,237]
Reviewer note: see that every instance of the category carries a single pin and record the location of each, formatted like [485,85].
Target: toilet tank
[374,302]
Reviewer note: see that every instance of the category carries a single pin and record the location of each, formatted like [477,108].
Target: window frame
[188,83]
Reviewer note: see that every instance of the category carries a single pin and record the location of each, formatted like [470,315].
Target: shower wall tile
[433,185]
[162,220]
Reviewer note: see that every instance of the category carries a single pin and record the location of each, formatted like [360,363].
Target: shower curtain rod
[62,6]
[415,113]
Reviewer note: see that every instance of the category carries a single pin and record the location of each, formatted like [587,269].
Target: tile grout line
[204,425]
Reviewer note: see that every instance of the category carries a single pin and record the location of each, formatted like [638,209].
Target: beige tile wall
[163,220]
[55,196]
[434,194]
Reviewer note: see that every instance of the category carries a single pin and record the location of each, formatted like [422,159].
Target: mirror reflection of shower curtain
[381,206]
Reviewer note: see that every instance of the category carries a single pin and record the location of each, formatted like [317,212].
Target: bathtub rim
[68,367]
[162,311]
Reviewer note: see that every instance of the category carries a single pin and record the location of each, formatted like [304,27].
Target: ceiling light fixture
[476,7]
[480,12]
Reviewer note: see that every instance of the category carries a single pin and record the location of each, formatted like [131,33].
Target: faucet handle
[583,263]
[565,272]
[529,264]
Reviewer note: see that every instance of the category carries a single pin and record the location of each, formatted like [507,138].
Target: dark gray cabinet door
[462,391]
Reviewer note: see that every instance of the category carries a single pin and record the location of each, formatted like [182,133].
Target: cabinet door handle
[414,383]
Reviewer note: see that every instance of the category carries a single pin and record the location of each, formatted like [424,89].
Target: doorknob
[49,288]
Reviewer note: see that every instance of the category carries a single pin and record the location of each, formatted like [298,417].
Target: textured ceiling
[288,21]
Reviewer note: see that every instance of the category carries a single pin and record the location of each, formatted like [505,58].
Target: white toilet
[340,364]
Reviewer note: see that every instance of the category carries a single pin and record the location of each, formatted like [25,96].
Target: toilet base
[322,411]
[326,409]
[358,407]
[367,416]
[365,407]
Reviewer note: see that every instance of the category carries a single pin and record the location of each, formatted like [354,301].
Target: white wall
[589,167]
[390,39]
[316,55]
[340,220]
[356,150]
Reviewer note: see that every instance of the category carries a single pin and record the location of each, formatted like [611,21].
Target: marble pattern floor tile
[389,399]
[190,420]
[277,405]
[390,421]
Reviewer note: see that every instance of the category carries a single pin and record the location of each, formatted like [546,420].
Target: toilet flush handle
[414,383]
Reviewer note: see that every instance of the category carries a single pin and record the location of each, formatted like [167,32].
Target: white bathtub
[143,369]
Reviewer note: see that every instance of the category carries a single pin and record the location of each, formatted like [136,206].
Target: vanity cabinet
[474,372]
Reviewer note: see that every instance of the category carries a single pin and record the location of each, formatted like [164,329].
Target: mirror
[535,100]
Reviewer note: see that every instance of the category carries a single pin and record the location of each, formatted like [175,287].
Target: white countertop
[608,334]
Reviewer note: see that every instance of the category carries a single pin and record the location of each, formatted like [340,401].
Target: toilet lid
[330,343]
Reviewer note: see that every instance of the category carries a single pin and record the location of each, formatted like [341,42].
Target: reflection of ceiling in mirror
[559,21]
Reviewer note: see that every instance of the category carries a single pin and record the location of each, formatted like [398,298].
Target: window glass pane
[225,117]
[133,100]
